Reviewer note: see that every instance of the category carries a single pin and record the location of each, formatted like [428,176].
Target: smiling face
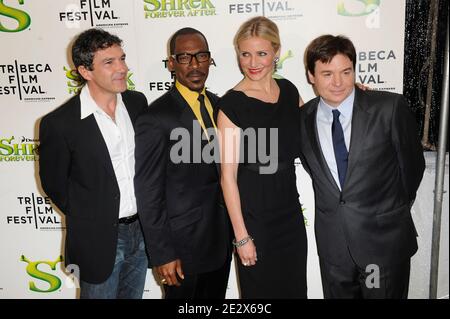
[109,71]
[334,81]
[256,58]
[194,74]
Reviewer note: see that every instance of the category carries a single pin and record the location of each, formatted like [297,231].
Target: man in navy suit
[366,162]
[87,169]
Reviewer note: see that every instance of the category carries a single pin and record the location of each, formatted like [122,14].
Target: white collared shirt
[324,120]
[119,139]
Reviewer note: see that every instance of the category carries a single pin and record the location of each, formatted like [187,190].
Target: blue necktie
[340,150]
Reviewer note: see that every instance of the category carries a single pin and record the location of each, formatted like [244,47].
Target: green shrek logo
[33,271]
[23,150]
[73,83]
[369,7]
[22,18]
[178,8]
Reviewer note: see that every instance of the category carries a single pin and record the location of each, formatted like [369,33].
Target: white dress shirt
[324,120]
[119,139]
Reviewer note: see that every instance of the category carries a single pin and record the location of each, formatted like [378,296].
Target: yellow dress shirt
[191,98]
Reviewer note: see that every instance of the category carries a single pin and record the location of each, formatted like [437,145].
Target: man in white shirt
[87,169]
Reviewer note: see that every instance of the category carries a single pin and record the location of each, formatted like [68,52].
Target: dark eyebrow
[111,58]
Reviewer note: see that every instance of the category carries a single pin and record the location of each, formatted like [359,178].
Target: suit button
[342,202]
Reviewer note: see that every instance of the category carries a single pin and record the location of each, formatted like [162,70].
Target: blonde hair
[258,27]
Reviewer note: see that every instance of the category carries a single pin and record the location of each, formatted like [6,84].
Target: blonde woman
[258,122]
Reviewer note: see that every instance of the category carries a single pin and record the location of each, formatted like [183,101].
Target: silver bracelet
[242,242]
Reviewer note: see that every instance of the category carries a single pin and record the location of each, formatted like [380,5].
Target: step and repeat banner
[36,77]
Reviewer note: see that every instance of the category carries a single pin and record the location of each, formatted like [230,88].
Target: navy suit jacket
[371,216]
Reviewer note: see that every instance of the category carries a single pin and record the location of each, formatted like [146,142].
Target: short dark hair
[325,48]
[89,42]
[184,31]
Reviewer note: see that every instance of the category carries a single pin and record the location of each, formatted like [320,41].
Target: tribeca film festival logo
[359,8]
[154,9]
[52,281]
[38,212]
[275,10]
[99,13]
[24,80]
[74,86]
[21,18]
[23,150]
[368,69]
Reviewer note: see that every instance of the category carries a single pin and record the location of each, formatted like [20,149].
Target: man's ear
[310,77]
[84,72]
[170,64]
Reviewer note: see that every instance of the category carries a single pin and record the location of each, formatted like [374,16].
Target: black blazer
[77,174]
[371,216]
[180,204]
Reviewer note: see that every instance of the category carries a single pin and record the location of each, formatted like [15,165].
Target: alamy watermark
[251,146]
[373,276]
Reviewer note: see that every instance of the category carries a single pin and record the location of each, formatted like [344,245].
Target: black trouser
[209,285]
[373,282]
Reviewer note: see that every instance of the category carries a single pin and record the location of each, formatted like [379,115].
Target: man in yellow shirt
[179,199]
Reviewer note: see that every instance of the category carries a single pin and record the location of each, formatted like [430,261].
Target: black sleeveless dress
[270,202]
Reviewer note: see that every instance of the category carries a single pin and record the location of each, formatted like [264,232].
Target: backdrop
[36,77]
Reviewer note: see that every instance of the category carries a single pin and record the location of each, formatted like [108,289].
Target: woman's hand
[247,253]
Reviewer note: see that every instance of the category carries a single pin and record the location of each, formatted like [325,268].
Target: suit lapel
[313,136]
[93,137]
[98,143]
[133,105]
[360,124]
[187,116]
[132,111]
